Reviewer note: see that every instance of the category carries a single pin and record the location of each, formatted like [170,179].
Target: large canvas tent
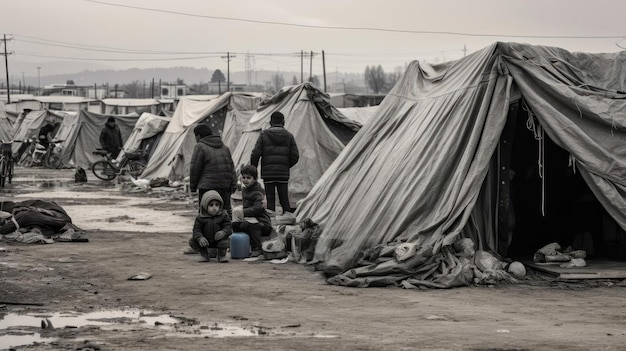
[172,155]
[434,163]
[320,130]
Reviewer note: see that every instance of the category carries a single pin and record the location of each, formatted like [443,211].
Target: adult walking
[212,167]
[111,137]
[277,149]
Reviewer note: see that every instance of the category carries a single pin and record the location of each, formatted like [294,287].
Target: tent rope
[571,162]
[533,125]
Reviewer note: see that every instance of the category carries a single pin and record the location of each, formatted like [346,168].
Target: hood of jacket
[206,198]
[212,141]
[278,135]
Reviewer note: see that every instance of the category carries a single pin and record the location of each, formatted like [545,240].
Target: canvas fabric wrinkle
[447,119]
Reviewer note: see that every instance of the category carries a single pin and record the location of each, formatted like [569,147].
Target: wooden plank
[595,269]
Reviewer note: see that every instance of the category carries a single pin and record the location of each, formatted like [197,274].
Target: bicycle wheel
[135,168]
[53,161]
[102,170]
[3,171]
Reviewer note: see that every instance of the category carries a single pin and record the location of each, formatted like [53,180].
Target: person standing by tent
[277,149]
[212,166]
[111,138]
[45,134]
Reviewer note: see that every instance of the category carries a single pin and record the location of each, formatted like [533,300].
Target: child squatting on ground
[254,220]
[211,228]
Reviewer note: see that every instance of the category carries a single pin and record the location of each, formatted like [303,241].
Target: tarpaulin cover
[359,114]
[320,130]
[172,155]
[6,128]
[415,171]
[85,138]
[147,126]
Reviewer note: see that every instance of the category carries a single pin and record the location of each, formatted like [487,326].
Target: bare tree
[375,78]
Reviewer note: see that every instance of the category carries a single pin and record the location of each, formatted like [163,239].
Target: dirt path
[279,306]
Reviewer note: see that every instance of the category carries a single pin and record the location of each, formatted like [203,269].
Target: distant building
[67,89]
[173,91]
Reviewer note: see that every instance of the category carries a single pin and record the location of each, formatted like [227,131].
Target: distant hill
[23,73]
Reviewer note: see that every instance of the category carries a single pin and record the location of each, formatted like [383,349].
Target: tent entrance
[558,207]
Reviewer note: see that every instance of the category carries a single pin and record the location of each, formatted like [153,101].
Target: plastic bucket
[239,245]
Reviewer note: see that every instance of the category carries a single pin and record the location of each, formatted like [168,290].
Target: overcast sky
[270,34]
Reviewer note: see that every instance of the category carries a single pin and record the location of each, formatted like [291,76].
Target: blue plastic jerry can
[239,245]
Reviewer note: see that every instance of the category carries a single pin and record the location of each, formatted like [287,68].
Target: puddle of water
[21,326]
[8,341]
[74,319]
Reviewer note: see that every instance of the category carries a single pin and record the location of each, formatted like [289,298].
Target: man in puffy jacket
[212,166]
[278,152]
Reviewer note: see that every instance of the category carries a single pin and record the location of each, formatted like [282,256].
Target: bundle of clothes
[37,221]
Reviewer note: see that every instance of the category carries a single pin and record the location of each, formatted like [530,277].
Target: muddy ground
[255,305]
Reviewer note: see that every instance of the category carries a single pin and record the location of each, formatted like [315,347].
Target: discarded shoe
[255,253]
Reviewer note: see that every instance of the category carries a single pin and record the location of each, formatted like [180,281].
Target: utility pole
[6,65]
[23,83]
[228,57]
[311,67]
[324,69]
[38,80]
[301,66]
[464,50]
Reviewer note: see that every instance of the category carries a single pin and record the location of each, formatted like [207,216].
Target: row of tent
[455,150]
[322,131]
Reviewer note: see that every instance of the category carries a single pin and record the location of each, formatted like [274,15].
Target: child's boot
[221,255]
[212,252]
[206,256]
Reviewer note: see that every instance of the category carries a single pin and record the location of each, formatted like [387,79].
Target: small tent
[6,127]
[146,134]
[30,122]
[172,155]
[438,162]
[320,130]
[81,135]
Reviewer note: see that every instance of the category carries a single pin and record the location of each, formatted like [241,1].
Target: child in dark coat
[254,221]
[211,228]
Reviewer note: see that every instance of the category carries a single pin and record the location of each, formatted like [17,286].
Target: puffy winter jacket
[277,149]
[252,198]
[212,165]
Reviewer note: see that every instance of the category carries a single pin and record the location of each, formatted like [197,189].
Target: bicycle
[109,168]
[38,154]
[7,163]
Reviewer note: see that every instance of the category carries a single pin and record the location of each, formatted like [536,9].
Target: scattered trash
[141,276]
[517,269]
[503,331]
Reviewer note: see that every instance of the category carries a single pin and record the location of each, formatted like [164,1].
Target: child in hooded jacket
[256,221]
[212,227]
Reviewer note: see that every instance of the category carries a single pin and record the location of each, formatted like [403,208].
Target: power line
[362,28]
